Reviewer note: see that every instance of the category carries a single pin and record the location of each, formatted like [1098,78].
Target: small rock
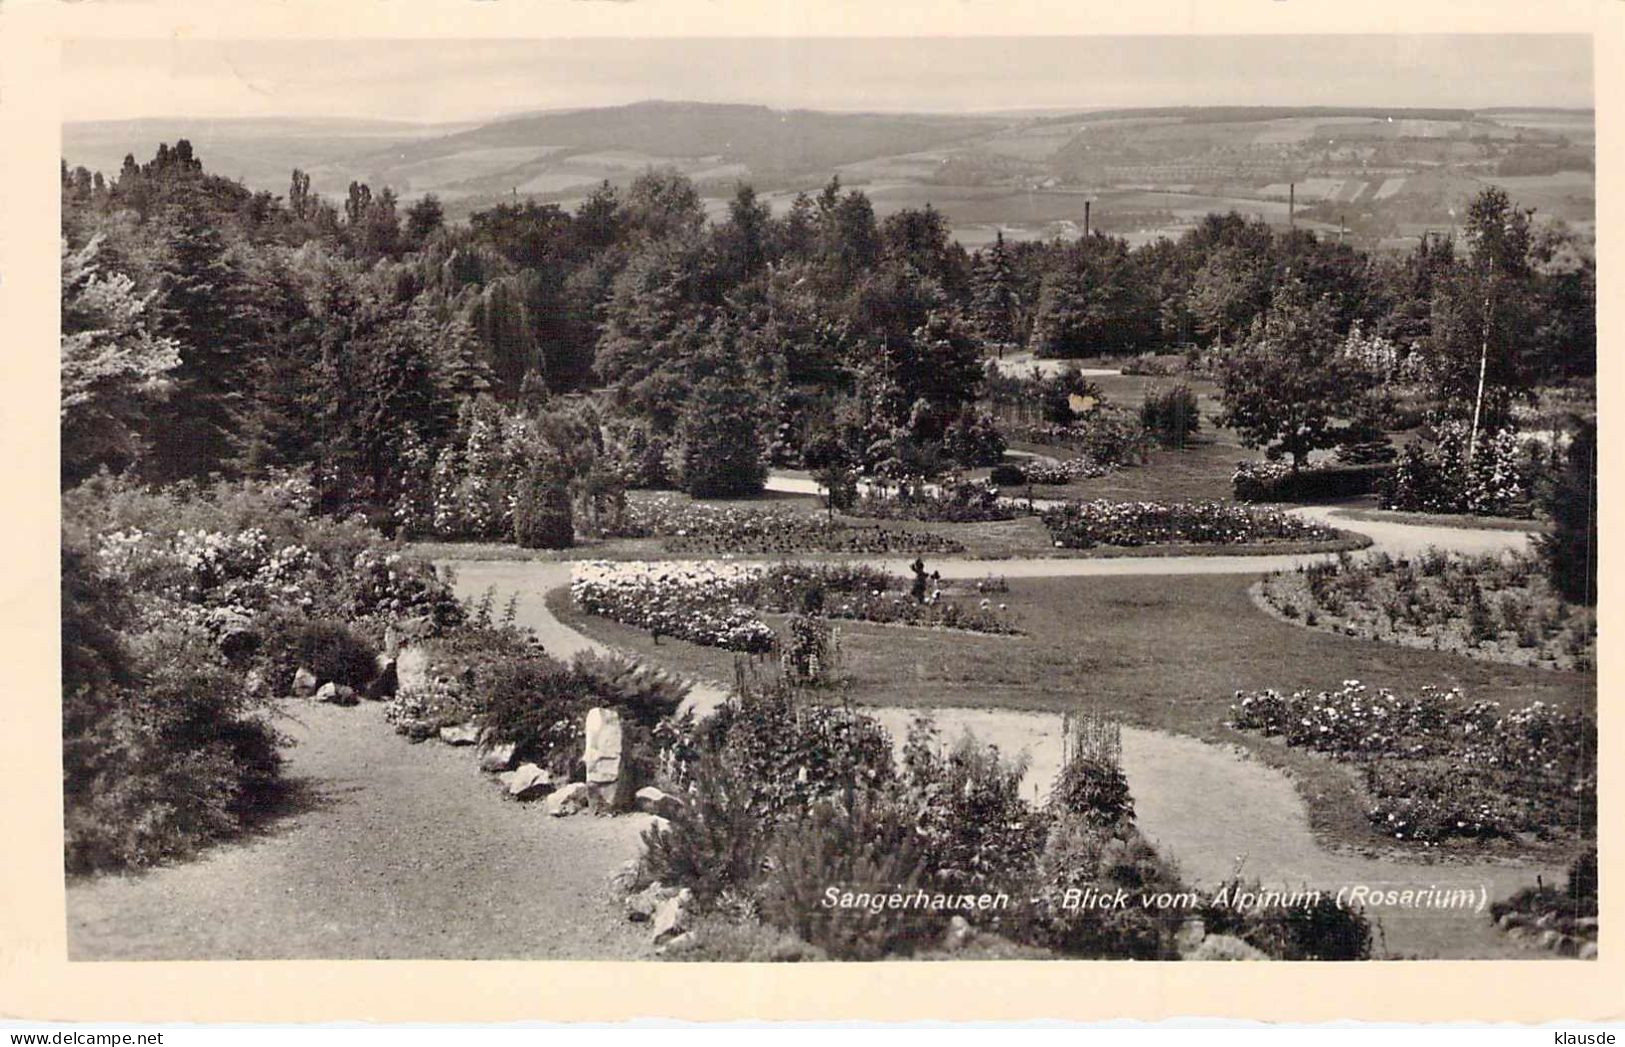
[660,825]
[641,906]
[1549,939]
[1567,945]
[622,879]
[679,942]
[1545,921]
[1587,924]
[336,693]
[1587,951]
[304,683]
[1190,935]
[958,934]
[494,758]
[567,800]
[1226,947]
[461,734]
[650,800]
[1510,920]
[254,683]
[1518,933]
[529,782]
[671,917]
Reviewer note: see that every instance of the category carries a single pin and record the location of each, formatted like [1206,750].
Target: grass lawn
[1162,652]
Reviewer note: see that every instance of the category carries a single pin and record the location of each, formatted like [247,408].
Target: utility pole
[1292,205]
[1483,367]
[1086,219]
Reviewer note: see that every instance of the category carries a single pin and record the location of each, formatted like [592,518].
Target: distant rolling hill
[1382,173]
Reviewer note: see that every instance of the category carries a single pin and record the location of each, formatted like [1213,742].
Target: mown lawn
[1160,652]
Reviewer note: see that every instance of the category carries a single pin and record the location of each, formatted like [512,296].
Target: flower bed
[1063,471]
[1083,525]
[951,502]
[692,527]
[716,604]
[1496,608]
[1438,766]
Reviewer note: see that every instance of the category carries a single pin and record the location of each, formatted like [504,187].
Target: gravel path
[397,851]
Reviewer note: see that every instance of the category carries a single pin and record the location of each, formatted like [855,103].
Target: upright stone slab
[605,782]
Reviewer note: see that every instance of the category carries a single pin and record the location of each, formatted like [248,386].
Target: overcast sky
[464,80]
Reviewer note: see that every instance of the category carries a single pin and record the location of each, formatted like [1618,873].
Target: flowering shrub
[1109,435]
[954,501]
[1499,481]
[1496,608]
[694,527]
[1083,525]
[1438,766]
[810,652]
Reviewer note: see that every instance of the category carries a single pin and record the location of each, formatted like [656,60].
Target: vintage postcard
[742,498]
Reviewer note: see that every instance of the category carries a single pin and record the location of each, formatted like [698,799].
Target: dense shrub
[1079,856]
[980,835]
[1314,927]
[866,843]
[329,648]
[542,514]
[952,501]
[1278,482]
[1170,414]
[1570,551]
[163,748]
[1007,475]
[1091,785]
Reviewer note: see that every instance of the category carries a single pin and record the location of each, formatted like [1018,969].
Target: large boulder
[494,758]
[567,800]
[651,800]
[304,683]
[460,734]
[336,694]
[529,782]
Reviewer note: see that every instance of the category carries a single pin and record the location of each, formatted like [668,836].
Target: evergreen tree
[204,306]
[993,295]
[1570,550]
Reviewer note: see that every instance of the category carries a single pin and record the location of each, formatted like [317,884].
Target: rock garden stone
[529,782]
[567,800]
[671,918]
[412,670]
[622,879]
[460,734]
[1587,951]
[651,800]
[494,758]
[659,824]
[1226,947]
[336,694]
[958,935]
[641,906]
[304,683]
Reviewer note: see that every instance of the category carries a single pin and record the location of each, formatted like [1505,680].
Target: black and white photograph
[795,499]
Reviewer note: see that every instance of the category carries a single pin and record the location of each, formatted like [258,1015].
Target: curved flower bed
[690,527]
[1494,608]
[689,599]
[1438,766]
[716,604]
[1083,525]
